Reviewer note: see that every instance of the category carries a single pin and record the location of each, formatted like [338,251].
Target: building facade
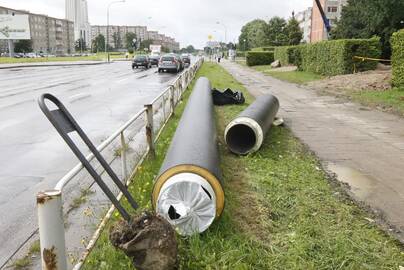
[77,12]
[304,19]
[48,35]
[117,34]
[332,10]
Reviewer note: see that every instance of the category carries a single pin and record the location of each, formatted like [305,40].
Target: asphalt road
[33,156]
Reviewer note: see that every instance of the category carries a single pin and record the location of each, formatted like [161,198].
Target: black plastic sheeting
[227,97]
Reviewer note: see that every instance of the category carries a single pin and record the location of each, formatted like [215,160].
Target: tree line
[276,32]
[368,18]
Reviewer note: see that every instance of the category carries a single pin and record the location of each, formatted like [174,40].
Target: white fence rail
[50,203]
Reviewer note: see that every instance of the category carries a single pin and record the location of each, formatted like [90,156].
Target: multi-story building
[304,19]
[117,32]
[332,10]
[77,12]
[48,34]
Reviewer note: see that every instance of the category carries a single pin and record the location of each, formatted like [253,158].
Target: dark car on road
[170,62]
[154,60]
[141,61]
[186,59]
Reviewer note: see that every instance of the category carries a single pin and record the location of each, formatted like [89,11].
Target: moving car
[154,60]
[170,62]
[186,59]
[141,61]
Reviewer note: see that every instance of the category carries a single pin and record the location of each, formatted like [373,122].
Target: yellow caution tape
[370,59]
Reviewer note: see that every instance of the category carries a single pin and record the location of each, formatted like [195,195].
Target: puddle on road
[362,185]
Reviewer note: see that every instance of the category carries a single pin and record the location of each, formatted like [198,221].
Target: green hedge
[397,44]
[336,56]
[240,54]
[288,55]
[263,49]
[259,58]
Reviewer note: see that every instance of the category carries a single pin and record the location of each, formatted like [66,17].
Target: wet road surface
[33,156]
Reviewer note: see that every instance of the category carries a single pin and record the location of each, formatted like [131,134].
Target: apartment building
[77,12]
[48,34]
[119,32]
[332,10]
[304,19]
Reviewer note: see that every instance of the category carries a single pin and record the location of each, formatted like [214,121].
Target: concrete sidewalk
[364,148]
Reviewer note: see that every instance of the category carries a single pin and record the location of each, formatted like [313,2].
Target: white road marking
[78,97]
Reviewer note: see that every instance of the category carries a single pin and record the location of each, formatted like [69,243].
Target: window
[332,9]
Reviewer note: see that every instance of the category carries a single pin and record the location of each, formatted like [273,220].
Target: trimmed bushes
[288,55]
[259,58]
[336,57]
[240,53]
[397,44]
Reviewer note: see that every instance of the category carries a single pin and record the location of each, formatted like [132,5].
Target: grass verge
[97,57]
[389,100]
[299,77]
[281,211]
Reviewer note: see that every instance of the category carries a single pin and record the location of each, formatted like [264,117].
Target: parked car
[186,59]
[170,62]
[141,61]
[154,60]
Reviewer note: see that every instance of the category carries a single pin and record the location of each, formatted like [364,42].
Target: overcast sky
[188,21]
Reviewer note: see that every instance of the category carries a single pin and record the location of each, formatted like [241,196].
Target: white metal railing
[50,204]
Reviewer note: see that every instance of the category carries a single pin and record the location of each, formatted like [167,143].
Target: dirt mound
[369,80]
[148,240]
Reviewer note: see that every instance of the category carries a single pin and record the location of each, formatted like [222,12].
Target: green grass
[281,211]
[390,100]
[299,77]
[97,57]
[24,262]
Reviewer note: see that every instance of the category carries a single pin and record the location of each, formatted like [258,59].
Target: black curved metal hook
[64,123]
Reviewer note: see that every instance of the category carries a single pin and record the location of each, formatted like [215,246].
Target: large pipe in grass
[246,132]
[188,192]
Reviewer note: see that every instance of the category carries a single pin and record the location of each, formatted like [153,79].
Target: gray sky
[188,21]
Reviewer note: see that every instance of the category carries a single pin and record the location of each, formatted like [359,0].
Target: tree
[293,32]
[117,40]
[23,46]
[80,45]
[129,37]
[99,44]
[368,18]
[276,32]
[145,44]
[254,34]
[165,49]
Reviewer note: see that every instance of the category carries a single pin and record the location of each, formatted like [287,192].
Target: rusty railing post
[124,166]
[51,230]
[150,129]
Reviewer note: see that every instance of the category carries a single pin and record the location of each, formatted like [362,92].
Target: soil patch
[370,80]
[149,240]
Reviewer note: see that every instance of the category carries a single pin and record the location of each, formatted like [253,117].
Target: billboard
[14,27]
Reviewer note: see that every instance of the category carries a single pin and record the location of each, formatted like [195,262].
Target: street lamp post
[107,37]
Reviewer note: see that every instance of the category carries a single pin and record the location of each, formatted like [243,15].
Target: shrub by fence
[259,58]
[288,55]
[240,53]
[336,56]
[397,42]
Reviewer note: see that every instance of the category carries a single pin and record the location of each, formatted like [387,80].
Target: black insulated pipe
[245,134]
[188,192]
